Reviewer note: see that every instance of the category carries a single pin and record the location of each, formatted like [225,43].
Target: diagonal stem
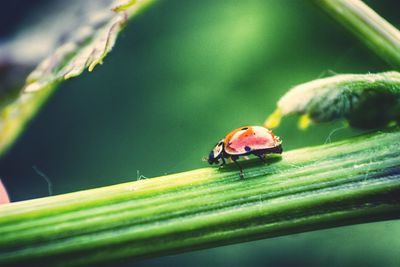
[352,181]
[374,31]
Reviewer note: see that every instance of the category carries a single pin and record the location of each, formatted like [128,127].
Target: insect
[256,140]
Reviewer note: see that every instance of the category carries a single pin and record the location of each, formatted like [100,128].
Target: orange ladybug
[256,140]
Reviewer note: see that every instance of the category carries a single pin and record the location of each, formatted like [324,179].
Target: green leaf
[123,5]
[84,47]
[365,100]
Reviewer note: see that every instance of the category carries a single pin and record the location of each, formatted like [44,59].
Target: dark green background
[180,77]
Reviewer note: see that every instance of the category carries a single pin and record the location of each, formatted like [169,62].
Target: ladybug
[256,140]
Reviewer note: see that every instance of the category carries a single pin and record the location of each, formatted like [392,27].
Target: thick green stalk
[347,182]
[378,34]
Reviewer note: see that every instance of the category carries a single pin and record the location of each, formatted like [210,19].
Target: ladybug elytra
[255,140]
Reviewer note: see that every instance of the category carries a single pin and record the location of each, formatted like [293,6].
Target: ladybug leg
[223,162]
[240,167]
[262,157]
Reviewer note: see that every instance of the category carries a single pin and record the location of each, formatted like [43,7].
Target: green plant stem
[378,34]
[352,181]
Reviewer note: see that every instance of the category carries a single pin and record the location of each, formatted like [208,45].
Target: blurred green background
[182,75]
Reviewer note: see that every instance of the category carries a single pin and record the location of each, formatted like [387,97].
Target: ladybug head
[216,153]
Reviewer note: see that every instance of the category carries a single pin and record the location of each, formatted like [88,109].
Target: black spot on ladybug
[245,128]
[247,148]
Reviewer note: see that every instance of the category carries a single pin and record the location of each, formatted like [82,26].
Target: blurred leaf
[86,47]
[123,5]
[88,34]
[365,100]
